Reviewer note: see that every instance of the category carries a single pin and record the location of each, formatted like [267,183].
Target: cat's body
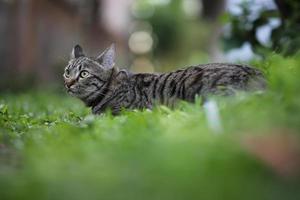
[107,88]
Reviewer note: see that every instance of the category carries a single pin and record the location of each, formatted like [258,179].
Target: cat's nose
[69,82]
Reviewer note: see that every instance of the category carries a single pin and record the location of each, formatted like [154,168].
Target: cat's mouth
[70,91]
[73,93]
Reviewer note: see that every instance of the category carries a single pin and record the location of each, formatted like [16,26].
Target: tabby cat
[102,86]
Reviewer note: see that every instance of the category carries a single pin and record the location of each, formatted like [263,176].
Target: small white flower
[213,116]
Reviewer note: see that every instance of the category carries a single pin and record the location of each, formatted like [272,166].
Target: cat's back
[203,80]
[226,68]
[214,78]
[232,72]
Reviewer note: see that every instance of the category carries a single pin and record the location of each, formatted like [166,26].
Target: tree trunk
[211,12]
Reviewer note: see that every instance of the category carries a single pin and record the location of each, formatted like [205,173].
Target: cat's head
[86,77]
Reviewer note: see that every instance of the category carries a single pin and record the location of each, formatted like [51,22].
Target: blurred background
[36,36]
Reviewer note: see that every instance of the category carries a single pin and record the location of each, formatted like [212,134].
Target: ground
[51,147]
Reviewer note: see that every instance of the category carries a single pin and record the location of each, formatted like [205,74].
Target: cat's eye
[83,74]
[67,74]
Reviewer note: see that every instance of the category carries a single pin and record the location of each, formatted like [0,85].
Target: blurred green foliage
[284,39]
[51,147]
[179,40]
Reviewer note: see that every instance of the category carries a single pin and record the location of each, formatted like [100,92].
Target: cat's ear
[107,58]
[77,52]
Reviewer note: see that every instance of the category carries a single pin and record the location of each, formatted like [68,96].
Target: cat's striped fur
[102,86]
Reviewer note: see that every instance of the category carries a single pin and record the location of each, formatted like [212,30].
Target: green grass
[51,147]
